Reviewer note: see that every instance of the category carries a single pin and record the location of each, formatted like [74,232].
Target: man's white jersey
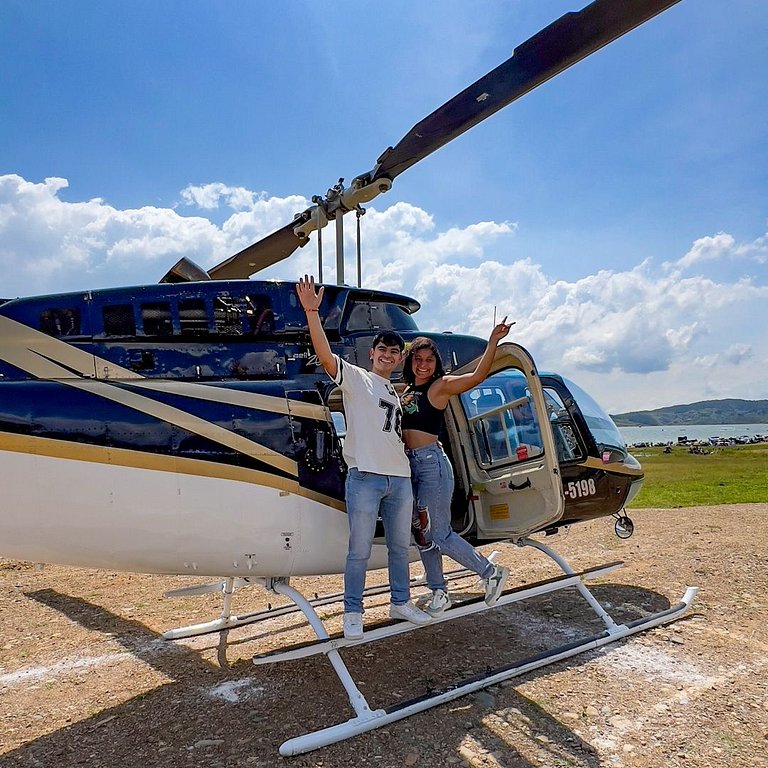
[373,442]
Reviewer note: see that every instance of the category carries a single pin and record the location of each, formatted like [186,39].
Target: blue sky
[618,213]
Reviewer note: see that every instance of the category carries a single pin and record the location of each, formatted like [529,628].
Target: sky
[618,213]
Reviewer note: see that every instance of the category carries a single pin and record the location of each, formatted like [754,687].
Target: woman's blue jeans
[369,496]
[432,480]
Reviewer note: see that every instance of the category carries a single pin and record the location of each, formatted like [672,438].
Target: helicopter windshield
[600,424]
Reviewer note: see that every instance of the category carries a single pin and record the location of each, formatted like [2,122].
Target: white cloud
[638,338]
[47,244]
[210,196]
[708,248]
[737,353]
[721,247]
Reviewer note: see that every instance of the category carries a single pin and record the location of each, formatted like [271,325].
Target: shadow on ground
[179,724]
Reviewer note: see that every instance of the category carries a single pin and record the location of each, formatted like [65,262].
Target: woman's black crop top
[419,413]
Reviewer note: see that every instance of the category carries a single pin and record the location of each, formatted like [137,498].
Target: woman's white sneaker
[494,584]
[440,602]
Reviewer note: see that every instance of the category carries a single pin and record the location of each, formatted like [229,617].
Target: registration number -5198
[580,489]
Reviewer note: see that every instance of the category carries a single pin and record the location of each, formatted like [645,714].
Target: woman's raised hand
[500,331]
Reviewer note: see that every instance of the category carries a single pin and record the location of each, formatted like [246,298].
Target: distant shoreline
[708,434]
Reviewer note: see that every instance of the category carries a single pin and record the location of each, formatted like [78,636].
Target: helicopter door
[503,449]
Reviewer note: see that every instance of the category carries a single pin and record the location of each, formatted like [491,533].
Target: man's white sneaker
[494,584]
[409,612]
[353,626]
[440,602]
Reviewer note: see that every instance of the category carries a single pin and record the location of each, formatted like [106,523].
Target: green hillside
[730,411]
[733,475]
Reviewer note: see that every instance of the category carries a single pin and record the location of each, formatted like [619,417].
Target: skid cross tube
[356,699]
[585,593]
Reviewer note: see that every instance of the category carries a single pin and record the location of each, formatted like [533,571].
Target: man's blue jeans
[432,478]
[369,496]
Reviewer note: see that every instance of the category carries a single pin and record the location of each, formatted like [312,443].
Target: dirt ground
[86,680]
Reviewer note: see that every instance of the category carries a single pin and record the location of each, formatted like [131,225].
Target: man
[378,477]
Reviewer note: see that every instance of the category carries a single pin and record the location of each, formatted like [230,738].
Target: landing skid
[228,586]
[366,719]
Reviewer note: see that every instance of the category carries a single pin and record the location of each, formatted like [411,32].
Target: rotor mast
[338,201]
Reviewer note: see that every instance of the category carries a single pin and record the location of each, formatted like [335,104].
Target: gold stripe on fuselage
[235,397]
[125,457]
[186,421]
[46,357]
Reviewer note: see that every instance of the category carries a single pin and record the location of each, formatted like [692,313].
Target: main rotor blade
[260,255]
[563,43]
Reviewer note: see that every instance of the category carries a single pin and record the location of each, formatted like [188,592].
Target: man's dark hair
[388,339]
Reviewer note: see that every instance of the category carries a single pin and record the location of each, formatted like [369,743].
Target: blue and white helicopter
[187,428]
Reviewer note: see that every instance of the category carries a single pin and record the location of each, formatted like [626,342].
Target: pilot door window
[502,421]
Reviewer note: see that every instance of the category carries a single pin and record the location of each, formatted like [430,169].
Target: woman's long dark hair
[421,342]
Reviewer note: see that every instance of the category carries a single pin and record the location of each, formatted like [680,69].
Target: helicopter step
[457,611]
[228,586]
[366,719]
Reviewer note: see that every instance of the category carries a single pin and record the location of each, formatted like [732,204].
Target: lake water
[634,435]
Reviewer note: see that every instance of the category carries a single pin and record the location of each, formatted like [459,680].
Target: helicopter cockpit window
[567,443]
[60,322]
[503,423]
[377,316]
[118,320]
[156,318]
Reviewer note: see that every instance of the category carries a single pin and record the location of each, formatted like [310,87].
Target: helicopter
[187,427]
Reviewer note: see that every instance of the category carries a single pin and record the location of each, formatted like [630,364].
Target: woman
[424,404]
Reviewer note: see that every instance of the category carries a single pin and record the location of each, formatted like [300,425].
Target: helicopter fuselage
[188,428]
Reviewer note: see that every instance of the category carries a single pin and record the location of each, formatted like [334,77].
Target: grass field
[732,475]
